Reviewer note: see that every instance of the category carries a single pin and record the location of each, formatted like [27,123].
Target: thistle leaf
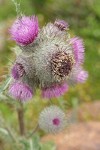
[5,84]
[4,131]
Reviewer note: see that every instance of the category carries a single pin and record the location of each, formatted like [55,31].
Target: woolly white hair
[48,115]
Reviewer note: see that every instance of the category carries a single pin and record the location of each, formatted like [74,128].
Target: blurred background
[83,17]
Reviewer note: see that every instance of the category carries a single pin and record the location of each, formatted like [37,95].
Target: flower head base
[61,24]
[25,30]
[18,71]
[62,64]
[52,119]
[54,91]
[20,91]
[78,48]
[82,76]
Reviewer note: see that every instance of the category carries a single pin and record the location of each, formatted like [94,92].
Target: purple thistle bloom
[78,48]
[25,30]
[54,91]
[17,71]
[82,76]
[61,24]
[20,91]
[56,121]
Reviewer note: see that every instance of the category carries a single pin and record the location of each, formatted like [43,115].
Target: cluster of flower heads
[49,60]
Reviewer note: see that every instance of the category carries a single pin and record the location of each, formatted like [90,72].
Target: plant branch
[34,131]
[11,134]
[20,112]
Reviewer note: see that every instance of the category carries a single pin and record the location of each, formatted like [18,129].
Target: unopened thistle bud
[52,119]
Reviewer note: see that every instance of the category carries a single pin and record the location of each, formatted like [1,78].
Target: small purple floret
[25,30]
[56,121]
[54,91]
[20,91]
[17,71]
[82,76]
[78,48]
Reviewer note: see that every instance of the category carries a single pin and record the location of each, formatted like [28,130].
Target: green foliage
[5,84]
[35,144]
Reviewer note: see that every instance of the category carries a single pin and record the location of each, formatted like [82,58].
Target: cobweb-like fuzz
[52,119]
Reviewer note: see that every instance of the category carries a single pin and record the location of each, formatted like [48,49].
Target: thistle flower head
[52,119]
[55,90]
[17,71]
[78,75]
[78,48]
[61,24]
[24,30]
[82,76]
[20,91]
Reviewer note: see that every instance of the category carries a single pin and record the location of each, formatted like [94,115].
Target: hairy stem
[20,112]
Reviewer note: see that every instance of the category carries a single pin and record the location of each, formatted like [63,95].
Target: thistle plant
[49,60]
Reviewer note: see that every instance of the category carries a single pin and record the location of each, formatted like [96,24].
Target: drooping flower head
[20,91]
[52,119]
[55,90]
[25,30]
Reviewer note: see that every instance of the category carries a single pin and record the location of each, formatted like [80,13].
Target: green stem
[20,112]
[34,131]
